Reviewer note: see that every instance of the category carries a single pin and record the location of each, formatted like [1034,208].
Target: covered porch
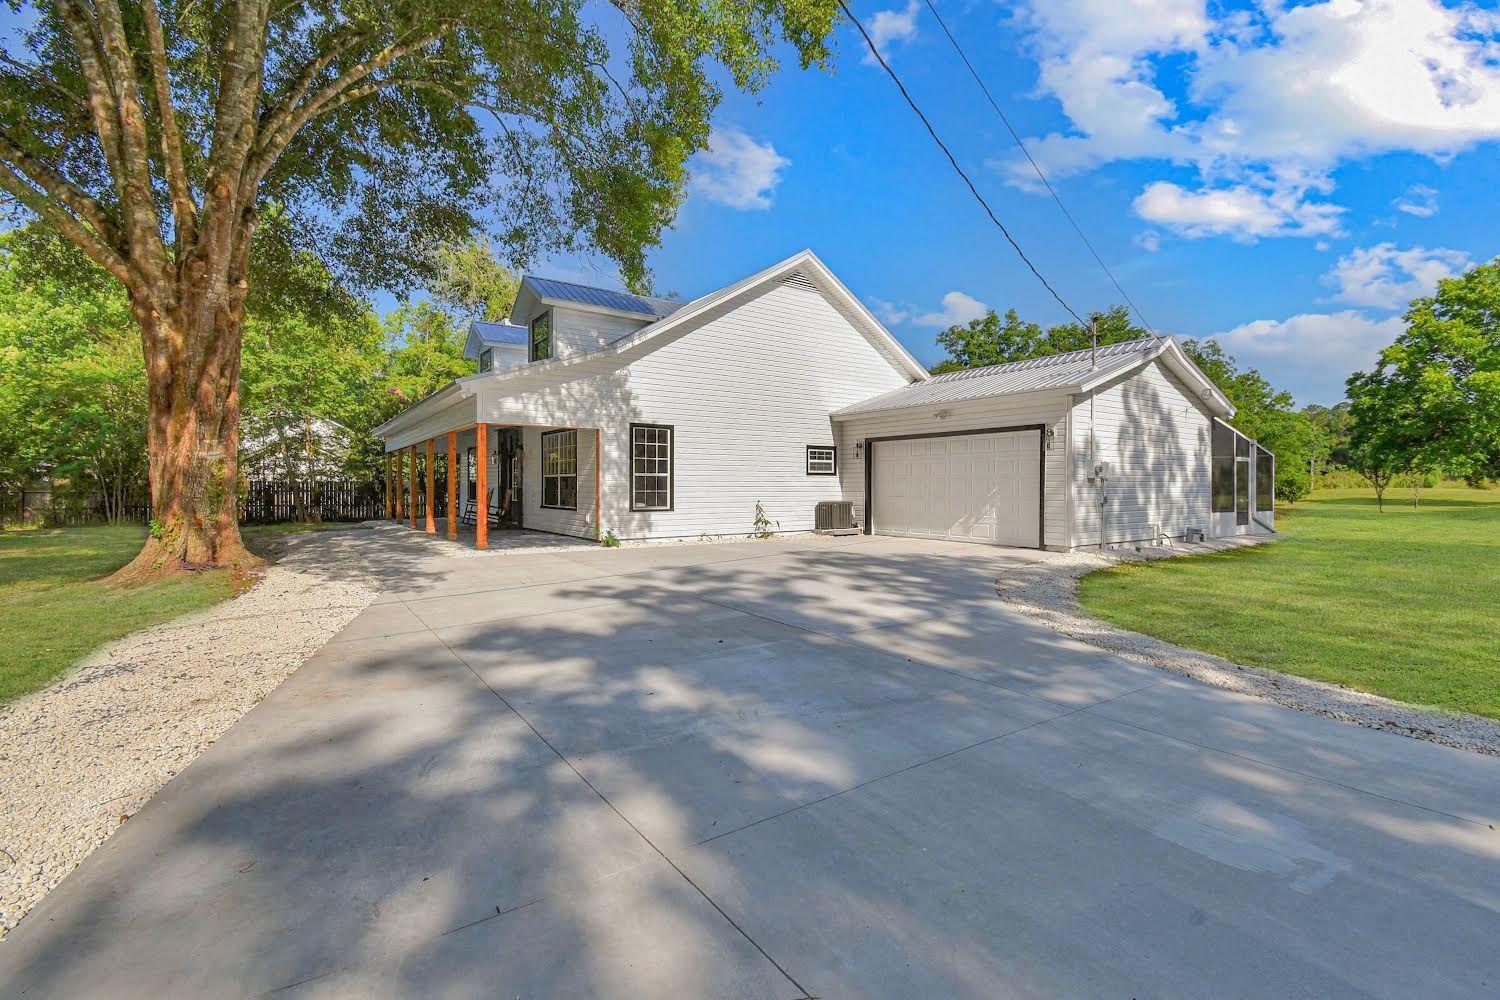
[496,485]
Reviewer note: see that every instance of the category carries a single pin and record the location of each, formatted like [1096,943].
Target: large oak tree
[154,135]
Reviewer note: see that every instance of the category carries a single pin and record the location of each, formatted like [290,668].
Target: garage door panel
[972,487]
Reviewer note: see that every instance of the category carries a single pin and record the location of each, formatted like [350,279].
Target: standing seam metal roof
[604,298]
[500,333]
[1055,371]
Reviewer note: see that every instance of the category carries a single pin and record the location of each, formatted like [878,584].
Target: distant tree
[470,280]
[1433,400]
[992,340]
[156,135]
[1369,460]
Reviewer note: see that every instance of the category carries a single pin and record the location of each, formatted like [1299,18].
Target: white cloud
[1276,96]
[737,171]
[890,26]
[889,313]
[1419,200]
[1312,353]
[1239,211]
[1149,241]
[957,308]
[1383,277]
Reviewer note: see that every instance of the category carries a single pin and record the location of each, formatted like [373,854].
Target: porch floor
[501,539]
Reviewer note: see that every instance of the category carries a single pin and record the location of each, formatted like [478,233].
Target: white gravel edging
[1048,591]
[82,755]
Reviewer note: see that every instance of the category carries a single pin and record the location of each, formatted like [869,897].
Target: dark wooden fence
[267,502]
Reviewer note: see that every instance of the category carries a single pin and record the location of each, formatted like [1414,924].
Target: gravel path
[1048,590]
[79,757]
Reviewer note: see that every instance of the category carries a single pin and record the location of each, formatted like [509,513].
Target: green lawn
[54,610]
[1404,603]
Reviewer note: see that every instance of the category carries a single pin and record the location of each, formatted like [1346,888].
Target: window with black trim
[822,460]
[541,337]
[472,479]
[560,470]
[486,360]
[1223,468]
[651,466]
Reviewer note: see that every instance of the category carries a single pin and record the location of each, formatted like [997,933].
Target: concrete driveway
[832,768]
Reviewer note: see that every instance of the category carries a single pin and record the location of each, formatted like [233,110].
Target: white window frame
[816,466]
[661,451]
[559,465]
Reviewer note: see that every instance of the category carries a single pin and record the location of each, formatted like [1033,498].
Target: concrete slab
[752,769]
[1086,858]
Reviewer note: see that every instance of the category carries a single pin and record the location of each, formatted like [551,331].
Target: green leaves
[1433,401]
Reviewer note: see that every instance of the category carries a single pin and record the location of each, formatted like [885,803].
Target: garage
[981,487]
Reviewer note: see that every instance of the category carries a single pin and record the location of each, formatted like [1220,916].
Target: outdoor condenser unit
[835,517]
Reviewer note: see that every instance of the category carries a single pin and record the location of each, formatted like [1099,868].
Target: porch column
[390,501]
[411,513]
[431,512]
[400,490]
[482,476]
[452,484]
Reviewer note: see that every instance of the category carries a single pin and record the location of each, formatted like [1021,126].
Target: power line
[1035,166]
[960,170]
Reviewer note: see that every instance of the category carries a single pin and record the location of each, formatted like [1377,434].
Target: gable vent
[799,280]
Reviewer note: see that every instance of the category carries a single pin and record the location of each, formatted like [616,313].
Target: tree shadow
[835,742]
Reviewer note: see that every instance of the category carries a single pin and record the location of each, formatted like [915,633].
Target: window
[650,467]
[1223,468]
[822,460]
[486,360]
[541,337]
[473,477]
[1265,479]
[560,470]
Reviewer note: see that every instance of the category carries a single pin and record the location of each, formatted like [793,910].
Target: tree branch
[71,197]
[77,233]
[184,212]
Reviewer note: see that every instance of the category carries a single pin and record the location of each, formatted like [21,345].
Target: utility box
[834,517]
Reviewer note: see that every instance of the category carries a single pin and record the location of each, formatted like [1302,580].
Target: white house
[597,410]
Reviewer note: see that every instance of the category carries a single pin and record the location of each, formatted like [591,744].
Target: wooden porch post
[400,490]
[452,484]
[411,511]
[482,475]
[431,507]
[390,501]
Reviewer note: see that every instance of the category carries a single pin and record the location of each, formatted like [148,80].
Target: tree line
[1429,409]
[320,369]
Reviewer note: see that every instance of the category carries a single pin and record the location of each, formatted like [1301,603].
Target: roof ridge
[600,288]
[1046,360]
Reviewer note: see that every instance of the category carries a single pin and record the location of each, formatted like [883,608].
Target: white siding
[1048,409]
[1155,439]
[746,390]
[563,522]
[581,331]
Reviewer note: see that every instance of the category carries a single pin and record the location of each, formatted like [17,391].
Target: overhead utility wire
[1035,166]
[960,170]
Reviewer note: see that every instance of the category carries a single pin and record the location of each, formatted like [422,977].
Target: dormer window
[541,337]
[486,360]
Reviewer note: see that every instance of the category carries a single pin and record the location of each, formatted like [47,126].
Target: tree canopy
[993,340]
[1433,400]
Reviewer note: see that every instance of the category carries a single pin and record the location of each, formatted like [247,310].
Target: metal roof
[1056,371]
[603,298]
[499,333]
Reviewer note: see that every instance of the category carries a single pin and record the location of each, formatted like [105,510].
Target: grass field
[1404,603]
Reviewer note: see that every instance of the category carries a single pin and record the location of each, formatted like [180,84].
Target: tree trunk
[192,438]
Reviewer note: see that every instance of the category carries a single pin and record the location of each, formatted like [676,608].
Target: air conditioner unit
[834,517]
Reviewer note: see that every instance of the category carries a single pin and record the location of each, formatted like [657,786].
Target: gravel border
[1048,591]
[80,756]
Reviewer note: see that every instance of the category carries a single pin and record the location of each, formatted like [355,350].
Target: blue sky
[1282,177]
